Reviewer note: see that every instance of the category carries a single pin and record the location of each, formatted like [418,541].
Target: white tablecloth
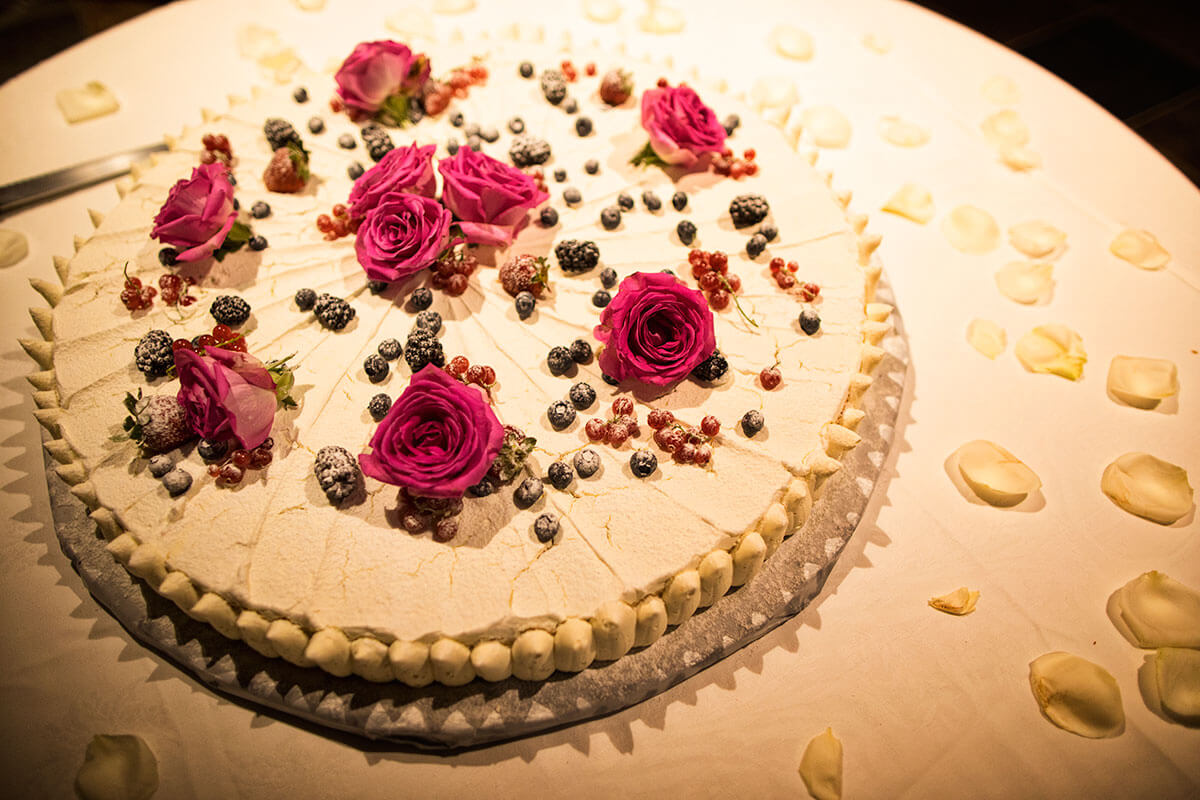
[927,705]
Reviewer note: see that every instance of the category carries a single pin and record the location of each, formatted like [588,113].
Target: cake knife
[40,188]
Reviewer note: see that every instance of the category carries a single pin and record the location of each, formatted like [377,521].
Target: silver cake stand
[444,718]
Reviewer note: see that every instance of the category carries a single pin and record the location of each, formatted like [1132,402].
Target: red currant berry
[726,153]
[776,264]
[595,429]
[793,267]
[710,426]
[616,435]
[684,453]
[662,83]
[719,261]
[238,345]
[696,257]
[181,344]
[735,283]
[259,458]
[669,439]
[703,455]
[475,374]
[660,418]
[751,168]
[186,300]
[466,265]
[214,470]
[222,332]
[209,141]
[749,154]
[204,340]
[232,474]
[324,223]
[622,405]
[459,364]
[240,458]
[719,299]
[590,68]
[737,170]
[339,210]
[132,282]
[488,377]
[456,284]
[770,378]
[710,281]
[221,142]
[785,280]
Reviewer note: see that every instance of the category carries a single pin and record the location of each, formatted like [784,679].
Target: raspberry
[337,472]
[334,313]
[153,354]
[748,209]
[229,309]
[527,151]
[525,273]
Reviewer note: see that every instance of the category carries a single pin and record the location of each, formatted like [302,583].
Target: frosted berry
[379,406]
[212,450]
[710,426]
[260,210]
[770,377]
[548,217]
[755,245]
[516,125]
[421,299]
[482,489]
[390,349]
[528,150]
[748,209]
[622,405]
[560,475]
[528,493]
[583,126]
[711,368]
[333,313]
[559,360]
[430,321]
[445,529]
[582,395]
[643,463]
[154,354]
[752,422]
[810,321]
[160,465]
[545,527]
[524,304]
[305,299]
[596,429]
[229,309]
[659,418]
[581,351]
[608,277]
[610,218]
[376,367]
[651,201]
[769,232]
[591,166]
[561,414]
[587,463]
[337,471]
[679,201]
[601,298]
[686,231]
[176,482]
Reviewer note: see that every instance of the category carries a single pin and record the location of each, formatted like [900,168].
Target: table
[927,705]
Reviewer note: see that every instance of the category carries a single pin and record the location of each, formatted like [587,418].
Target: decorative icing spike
[179,590]
[86,493]
[41,352]
[873,332]
[42,381]
[871,356]
[107,523]
[879,312]
[44,320]
[236,99]
[838,439]
[871,272]
[868,243]
[49,418]
[59,450]
[826,177]
[135,171]
[853,417]
[208,115]
[213,609]
[843,197]
[123,186]
[122,547]
[62,268]
[52,292]
[71,474]
[858,222]
[46,399]
[858,387]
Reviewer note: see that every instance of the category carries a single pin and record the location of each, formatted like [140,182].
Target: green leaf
[240,232]
[299,157]
[394,110]
[647,157]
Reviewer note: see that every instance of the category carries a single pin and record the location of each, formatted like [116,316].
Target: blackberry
[810,321]
[376,367]
[559,360]
[160,465]
[524,303]
[355,171]
[333,312]
[752,422]
[731,124]
[257,243]
[560,175]
[587,463]
[769,232]
[554,86]
[237,204]
[572,196]
[583,126]
[490,134]
[452,146]
[379,406]
[560,475]
[260,210]
[153,354]
[643,463]
[212,449]
[581,351]
[421,299]
[279,133]
[679,201]
[591,166]
[377,140]
[748,209]
[346,142]
[528,493]
[577,256]
[525,70]
[378,150]
[377,287]
[651,201]
[571,106]
[601,298]
[475,143]
[686,231]
[608,277]
[316,125]
[516,125]
[755,245]
[176,482]
[457,119]
[545,528]
[430,321]
[711,368]
[625,201]
[300,94]
[168,256]
[390,349]
[422,350]
[305,299]
[229,309]
[561,414]
[582,395]
[528,150]
[548,217]
[337,472]
[482,489]
[610,218]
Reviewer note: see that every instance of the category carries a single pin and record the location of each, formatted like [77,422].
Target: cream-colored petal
[255,42]
[1142,382]
[118,767]
[1052,349]
[1140,248]
[602,10]
[1076,695]
[902,133]
[1148,487]
[877,42]
[821,766]
[987,337]
[1005,129]
[959,602]
[1159,611]
[662,19]
[912,202]
[13,248]
[995,475]
[827,126]
[1019,158]
[1026,282]
[1000,90]
[971,230]
[791,42]
[88,102]
[773,92]
[411,21]
[1177,672]
[1036,239]
[453,6]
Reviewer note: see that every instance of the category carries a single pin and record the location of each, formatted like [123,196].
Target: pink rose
[198,213]
[439,437]
[681,127]
[656,330]
[488,197]
[402,169]
[375,71]
[402,235]
[226,394]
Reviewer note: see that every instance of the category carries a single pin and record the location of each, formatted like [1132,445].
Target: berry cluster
[216,148]
[452,271]
[727,163]
[338,225]
[479,374]
[618,428]
[418,514]
[711,270]
[461,79]
[222,336]
[570,73]
[229,466]
[687,444]
[785,277]
[135,296]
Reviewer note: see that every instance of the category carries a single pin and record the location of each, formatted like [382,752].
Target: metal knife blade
[40,188]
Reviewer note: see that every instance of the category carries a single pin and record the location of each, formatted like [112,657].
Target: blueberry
[528,493]
[421,299]
[668,271]
[456,119]
[583,126]
[237,204]
[430,321]
[452,146]
[560,475]
[545,528]
[752,422]
[608,277]
[490,134]
[525,70]
[755,245]
[177,482]
[679,201]
[571,107]
[475,143]
[390,349]
[168,256]
[625,201]
[558,360]
[609,379]
[346,141]
[591,166]
[161,465]
[769,232]
[686,230]
[516,125]
[355,171]
[377,287]
[305,299]
[548,217]
[257,243]
[731,123]
[524,303]
[300,94]
[651,201]
[572,196]
[643,463]
[601,298]
[376,367]
[483,488]
[561,414]
[587,462]
[810,321]
[582,395]
[560,175]
[379,406]
[581,351]
[260,210]
[212,449]
[316,125]
[610,218]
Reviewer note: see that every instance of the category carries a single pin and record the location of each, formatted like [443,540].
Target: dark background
[1140,60]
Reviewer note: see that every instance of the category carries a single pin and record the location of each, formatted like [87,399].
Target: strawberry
[525,273]
[616,87]
[158,423]
[288,170]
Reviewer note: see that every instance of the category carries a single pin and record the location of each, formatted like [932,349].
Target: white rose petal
[791,42]
[878,42]
[1026,281]
[913,202]
[995,475]
[662,20]
[1020,159]
[959,602]
[1159,611]
[902,133]
[1000,90]
[1076,695]
[452,6]
[1139,248]
[971,230]
[13,248]
[987,337]
[1005,129]
[827,126]
[91,101]
[602,10]
[412,21]
[117,767]
[1148,487]
[1036,239]
[1142,382]
[1177,672]
[821,766]
[1053,350]
[776,92]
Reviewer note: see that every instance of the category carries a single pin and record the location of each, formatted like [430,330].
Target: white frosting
[275,546]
